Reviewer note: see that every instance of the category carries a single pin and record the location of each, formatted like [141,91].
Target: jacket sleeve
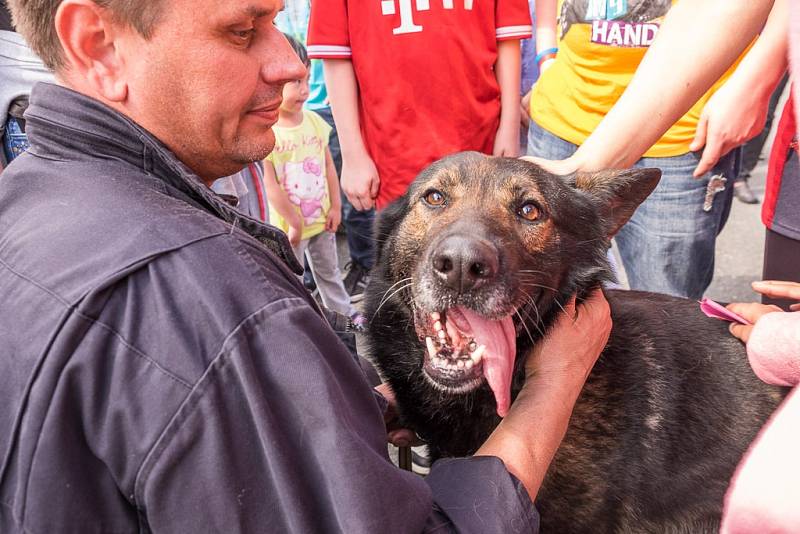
[283,434]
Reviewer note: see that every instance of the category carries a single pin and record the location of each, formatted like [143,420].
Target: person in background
[751,151]
[412,82]
[20,69]
[764,493]
[303,191]
[293,20]
[780,212]
[245,191]
[668,246]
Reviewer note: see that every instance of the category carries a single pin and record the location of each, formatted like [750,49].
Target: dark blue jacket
[163,370]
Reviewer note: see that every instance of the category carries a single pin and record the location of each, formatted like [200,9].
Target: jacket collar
[64,124]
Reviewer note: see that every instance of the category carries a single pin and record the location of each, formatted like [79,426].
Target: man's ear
[87,33]
[619,192]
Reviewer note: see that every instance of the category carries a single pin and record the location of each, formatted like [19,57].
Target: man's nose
[281,64]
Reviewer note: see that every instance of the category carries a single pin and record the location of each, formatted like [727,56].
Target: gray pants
[324,263]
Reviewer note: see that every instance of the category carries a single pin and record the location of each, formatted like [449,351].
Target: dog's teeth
[452,331]
[468,365]
[477,354]
[431,348]
[435,316]
[437,325]
[472,346]
[442,335]
[460,364]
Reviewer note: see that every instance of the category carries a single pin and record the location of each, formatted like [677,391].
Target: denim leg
[359,226]
[543,144]
[668,245]
[322,258]
[15,142]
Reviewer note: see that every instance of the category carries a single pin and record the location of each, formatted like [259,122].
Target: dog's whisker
[522,322]
[538,316]
[402,281]
[385,293]
[540,286]
[386,299]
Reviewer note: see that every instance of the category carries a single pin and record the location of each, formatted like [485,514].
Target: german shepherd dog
[473,265]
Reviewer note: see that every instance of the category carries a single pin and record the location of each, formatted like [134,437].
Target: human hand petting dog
[395,434]
[753,311]
[556,370]
[360,181]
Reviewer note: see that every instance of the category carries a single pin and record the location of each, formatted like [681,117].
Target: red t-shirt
[425,71]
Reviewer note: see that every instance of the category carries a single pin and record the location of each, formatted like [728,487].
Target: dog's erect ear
[619,191]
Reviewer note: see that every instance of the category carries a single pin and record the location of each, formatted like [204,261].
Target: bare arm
[686,58]
[507,70]
[546,38]
[279,200]
[528,437]
[360,179]
[737,112]
[546,31]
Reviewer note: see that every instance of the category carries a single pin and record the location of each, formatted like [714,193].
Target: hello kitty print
[304,182]
[299,159]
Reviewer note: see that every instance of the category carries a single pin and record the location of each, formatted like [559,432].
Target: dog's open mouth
[464,347]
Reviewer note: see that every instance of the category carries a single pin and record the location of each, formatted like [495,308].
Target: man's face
[208,83]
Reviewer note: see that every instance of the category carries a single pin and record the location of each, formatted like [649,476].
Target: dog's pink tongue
[501,348]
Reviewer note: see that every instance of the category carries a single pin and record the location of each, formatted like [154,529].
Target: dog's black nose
[464,263]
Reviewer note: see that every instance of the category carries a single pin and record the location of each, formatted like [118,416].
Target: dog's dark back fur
[670,406]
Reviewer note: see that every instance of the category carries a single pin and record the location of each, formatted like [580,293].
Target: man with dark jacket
[162,369]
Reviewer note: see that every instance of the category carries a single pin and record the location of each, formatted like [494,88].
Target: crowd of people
[171,191]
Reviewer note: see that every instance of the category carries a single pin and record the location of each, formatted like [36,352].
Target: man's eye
[244,35]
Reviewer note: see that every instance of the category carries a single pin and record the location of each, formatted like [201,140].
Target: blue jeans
[15,142]
[357,224]
[668,244]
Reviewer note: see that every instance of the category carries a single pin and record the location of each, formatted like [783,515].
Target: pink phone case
[718,311]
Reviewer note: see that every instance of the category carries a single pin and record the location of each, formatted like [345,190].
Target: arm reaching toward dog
[654,101]
[737,112]
[527,439]
[763,494]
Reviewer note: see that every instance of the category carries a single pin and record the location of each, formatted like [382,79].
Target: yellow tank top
[601,44]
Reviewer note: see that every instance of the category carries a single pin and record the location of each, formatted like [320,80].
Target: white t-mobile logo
[407,14]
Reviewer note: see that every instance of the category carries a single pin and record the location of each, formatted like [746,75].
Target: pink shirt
[764,496]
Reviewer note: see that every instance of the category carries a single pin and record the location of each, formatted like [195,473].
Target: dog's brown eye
[529,212]
[434,198]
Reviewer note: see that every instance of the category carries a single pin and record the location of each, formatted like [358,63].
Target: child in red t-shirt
[411,81]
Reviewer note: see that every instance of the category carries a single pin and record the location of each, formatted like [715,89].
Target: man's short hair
[35,21]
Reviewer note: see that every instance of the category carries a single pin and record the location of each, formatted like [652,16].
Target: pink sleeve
[764,496]
[512,20]
[774,348]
